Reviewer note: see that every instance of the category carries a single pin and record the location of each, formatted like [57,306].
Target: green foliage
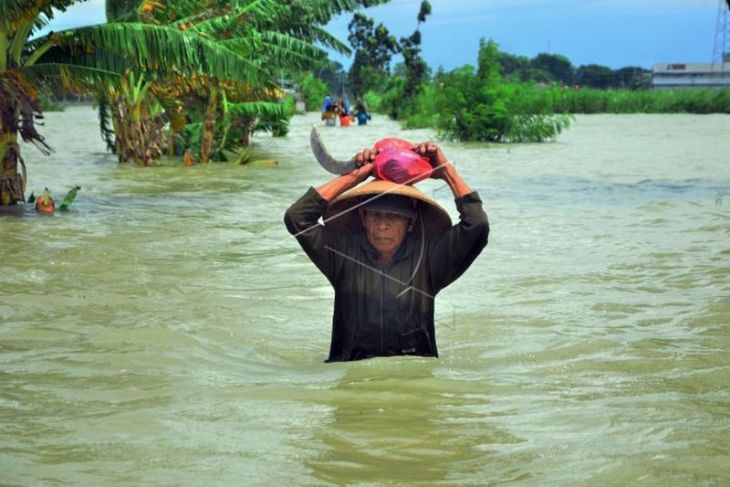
[373,100]
[392,102]
[475,105]
[410,47]
[48,104]
[314,91]
[588,100]
[632,78]
[247,155]
[471,106]
[69,198]
[595,76]
[423,109]
[374,48]
[333,75]
[514,67]
[278,122]
[559,67]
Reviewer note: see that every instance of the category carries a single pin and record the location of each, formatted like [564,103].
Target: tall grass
[590,100]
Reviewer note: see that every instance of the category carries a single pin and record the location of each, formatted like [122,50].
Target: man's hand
[435,156]
[365,156]
[364,160]
[443,169]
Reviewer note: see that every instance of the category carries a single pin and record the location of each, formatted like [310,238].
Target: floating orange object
[188,158]
[45,204]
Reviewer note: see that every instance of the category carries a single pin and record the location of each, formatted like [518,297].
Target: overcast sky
[613,33]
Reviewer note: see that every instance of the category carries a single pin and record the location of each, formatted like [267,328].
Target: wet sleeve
[302,221]
[451,253]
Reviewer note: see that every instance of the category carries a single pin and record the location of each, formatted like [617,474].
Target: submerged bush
[476,105]
[314,90]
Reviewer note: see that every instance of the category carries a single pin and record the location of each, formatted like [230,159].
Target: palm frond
[325,38]
[226,18]
[256,108]
[158,49]
[13,13]
[68,76]
[292,46]
[106,125]
[274,49]
[121,10]
[323,10]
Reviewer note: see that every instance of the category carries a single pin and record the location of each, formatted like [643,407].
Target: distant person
[329,112]
[361,112]
[345,116]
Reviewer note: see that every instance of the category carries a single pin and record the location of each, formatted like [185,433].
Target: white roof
[690,67]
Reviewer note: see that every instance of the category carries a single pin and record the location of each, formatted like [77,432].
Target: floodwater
[168,331]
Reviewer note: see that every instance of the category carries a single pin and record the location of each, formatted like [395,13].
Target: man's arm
[302,217]
[335,187]
[451,253]
[443,169]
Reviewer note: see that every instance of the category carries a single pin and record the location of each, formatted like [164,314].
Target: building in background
[691,75]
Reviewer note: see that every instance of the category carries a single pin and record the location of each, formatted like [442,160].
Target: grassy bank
[590,100]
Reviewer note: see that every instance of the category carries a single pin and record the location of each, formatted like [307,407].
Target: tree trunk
[19,108]
[12,183]
[139,137]
[246,125]
[120,116]
[208,135]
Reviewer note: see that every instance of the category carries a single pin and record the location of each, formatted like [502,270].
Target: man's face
[386,231]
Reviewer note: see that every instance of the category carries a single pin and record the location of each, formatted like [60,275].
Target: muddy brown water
[168,331]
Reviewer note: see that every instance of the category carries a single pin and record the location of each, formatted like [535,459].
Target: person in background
[345,116]
[361,112]
[329,112]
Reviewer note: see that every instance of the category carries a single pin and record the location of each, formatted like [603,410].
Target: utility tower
[721,51]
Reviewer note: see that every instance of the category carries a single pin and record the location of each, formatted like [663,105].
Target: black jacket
[387,310]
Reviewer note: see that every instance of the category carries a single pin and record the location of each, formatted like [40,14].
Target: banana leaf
[69,198]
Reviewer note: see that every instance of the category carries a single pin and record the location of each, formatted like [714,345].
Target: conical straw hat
[342,215]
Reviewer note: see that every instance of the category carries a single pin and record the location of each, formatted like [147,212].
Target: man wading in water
[387,249]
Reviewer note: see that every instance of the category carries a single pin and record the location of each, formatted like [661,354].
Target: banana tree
[84,59]
[19,102]
[275,35]
[137,118]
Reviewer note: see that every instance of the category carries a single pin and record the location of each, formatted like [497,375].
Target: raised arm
[444,169]
[335,187]
[302,217]
[452,252]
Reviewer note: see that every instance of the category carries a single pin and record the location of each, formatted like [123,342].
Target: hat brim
[341,214]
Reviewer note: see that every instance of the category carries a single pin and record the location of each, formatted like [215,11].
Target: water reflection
[393,421]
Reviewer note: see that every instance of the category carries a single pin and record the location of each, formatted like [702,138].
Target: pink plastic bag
[392,143]
[402,166]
